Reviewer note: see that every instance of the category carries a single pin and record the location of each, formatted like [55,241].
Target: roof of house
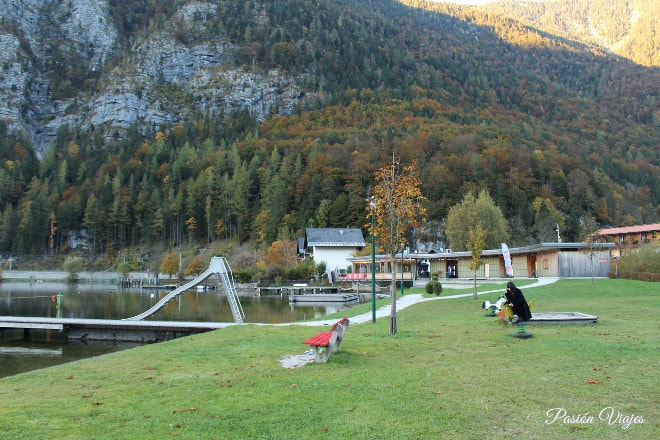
[334,237]
[630,229]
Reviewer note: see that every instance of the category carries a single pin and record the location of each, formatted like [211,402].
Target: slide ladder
[217,267]
[232,297]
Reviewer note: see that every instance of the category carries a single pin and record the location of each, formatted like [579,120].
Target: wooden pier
[324,298]
[302,293]
[108,329]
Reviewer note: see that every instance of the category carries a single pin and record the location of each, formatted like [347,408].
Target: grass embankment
[449,373]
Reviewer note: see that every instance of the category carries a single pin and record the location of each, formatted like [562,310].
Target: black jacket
[518,304]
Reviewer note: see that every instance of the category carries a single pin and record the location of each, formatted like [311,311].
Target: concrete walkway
[410,299]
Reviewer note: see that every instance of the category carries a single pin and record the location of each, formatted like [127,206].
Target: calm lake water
[98,301]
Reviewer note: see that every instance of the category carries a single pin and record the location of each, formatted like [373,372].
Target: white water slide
[218,267]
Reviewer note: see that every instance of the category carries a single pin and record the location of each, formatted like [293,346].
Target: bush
[243,276]
[302,271]
[433,287]
[73,265]
[642,264]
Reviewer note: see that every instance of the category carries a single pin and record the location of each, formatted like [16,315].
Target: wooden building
[541,260]
[361,268]
[629,237]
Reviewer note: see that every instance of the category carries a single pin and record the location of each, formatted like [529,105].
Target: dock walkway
[109,329]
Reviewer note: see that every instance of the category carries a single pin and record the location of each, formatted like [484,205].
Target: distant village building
[333,246]
[629,237]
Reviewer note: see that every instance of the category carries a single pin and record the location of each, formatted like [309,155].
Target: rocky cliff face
[62,63]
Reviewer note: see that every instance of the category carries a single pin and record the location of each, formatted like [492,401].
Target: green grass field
[449,373]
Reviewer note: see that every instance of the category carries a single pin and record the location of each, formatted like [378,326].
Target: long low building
[564,260]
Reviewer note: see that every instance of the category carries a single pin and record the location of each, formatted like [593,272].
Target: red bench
[324,344]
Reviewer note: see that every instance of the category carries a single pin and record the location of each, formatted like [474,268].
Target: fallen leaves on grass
[592,381]
[178,410]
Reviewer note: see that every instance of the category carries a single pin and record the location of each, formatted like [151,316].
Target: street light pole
[373,263]
[401,272]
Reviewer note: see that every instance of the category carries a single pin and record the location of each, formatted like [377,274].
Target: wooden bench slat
[320,339]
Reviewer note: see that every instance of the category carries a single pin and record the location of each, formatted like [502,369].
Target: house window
[546,264]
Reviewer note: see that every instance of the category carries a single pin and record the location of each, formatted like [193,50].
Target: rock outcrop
[112,83]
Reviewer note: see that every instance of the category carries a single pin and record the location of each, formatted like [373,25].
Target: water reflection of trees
[95,301]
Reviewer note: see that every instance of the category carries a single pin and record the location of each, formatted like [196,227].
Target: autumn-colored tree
[170,264]
[476,244]
[282,253]
[191,225]
[396,207]
[196,266]
[220,228]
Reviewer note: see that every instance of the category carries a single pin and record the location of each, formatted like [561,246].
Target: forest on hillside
[627,28]
[482,102]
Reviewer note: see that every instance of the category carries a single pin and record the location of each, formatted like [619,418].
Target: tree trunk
[393,308]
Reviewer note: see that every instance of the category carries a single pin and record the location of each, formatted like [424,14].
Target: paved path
[410,299]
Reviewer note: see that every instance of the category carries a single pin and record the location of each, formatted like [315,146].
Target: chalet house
[404,268]
[629,237]
[333,246]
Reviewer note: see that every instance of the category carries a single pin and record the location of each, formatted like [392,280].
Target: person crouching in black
[517,301]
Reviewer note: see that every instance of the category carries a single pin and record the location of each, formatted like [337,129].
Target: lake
[107,301]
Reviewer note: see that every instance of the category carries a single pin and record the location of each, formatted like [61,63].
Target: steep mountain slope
[99,66]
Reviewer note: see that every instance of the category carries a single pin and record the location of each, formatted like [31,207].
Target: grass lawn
[449,373]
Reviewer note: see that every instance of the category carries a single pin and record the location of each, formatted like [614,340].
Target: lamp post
[401,272]
[372,205]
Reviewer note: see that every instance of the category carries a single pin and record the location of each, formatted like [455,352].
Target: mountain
[173,120]
[106,65]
